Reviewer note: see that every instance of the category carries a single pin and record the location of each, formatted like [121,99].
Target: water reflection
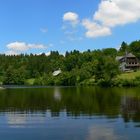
[103,132]
[57,94]
[131,109]
[75,101]
[110,103]
[69,113]
[17,120]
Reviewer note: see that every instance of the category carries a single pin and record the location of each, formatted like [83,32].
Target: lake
[70,113]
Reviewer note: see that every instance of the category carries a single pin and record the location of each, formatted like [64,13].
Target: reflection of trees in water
[75,101]
[131,109]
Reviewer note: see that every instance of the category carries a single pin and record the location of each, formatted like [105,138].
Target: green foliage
[135,48]
[45,80]
[124,48]
[110,52]
[13,76]
[106,70]
[29,82]
[97,67]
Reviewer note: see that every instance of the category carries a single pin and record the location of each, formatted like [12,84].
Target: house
[57,72]
[128,62]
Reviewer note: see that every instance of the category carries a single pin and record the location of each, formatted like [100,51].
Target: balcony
[132,65]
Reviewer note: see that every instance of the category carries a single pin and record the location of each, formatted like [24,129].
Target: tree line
[77,67]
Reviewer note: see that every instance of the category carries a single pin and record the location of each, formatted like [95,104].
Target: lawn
[130,75]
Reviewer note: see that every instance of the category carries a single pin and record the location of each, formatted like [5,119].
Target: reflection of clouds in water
[102,132]
[16,120]
[57,94]
[21,120]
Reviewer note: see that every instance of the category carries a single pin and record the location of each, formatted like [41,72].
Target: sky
[37,26]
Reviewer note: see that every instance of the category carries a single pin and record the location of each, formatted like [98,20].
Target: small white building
[57,72]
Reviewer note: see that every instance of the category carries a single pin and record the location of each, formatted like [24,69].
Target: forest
[97,67]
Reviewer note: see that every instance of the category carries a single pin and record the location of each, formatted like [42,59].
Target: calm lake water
[70,114]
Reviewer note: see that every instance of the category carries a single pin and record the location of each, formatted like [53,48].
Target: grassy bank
[129,76]
[131,79]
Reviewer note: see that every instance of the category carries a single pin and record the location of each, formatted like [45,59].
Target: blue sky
[36,26]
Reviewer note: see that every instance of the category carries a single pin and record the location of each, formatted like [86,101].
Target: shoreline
[78,86]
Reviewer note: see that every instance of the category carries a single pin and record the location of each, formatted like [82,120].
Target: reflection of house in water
[128,62]
[131,108]
[57,94]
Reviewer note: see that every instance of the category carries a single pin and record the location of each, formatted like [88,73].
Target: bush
[127,82]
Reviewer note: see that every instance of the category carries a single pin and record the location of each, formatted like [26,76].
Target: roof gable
[129,55]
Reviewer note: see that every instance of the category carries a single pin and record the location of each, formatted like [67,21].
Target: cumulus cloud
[47,53]
[10,52]
[111,13]
[94,29]
[71,17]
[20,47]
[71,30]
[118,12]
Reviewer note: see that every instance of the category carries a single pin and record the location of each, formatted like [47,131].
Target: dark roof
[129,55]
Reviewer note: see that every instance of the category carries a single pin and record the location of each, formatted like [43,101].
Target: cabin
[128,62]
[57,72]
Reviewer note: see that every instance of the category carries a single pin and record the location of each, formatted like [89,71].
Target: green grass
[29,81]
[129,76]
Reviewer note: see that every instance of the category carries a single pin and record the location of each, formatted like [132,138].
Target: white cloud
[17,46]
[118,12]
[111,13]
[94,29]
[118,47]
[10,52]
[71,30]
[47,53]
[71,17]
[20,47]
